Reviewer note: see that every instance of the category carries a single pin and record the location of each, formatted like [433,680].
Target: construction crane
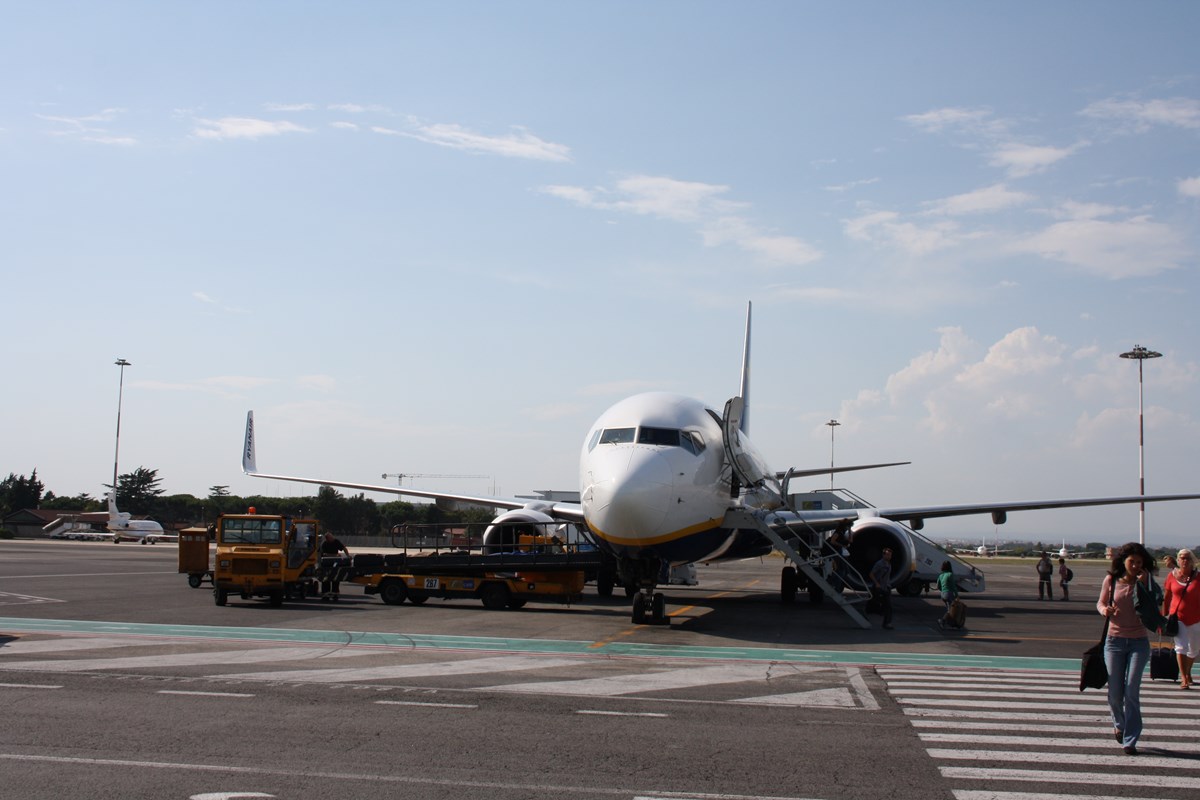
[400,476]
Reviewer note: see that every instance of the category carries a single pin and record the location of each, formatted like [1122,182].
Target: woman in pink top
[1183,599]
[1127,648]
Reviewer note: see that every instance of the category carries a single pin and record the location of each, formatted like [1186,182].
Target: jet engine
[868,538]
[504,532]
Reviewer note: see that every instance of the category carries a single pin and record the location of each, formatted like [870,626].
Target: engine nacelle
[868,538]
[505,531]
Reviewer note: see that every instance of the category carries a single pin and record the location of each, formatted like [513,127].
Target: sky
[442,238]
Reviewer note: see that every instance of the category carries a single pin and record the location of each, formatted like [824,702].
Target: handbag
[1093,672]
[1163,664]
[1171,626]
[1147,602]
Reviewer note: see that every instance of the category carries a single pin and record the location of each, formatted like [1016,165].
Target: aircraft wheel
[658,609]
[816,595]
[787,585]
[639,610]
[393,592]
[194,581]
[604,583]
[220,596]
[494,596]
[631,590]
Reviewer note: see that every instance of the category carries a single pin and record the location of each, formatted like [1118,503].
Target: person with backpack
[948,587]
[1064,577]
[1045,571]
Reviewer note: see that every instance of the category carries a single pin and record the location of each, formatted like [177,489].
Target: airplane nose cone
[630,493]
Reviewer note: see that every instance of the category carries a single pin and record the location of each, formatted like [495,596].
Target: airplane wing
[915,516]
[570,512]
[808,473]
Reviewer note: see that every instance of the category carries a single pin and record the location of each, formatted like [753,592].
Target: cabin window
[617,436]
[594,439]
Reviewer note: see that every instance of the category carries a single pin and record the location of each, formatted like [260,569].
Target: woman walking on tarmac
[1183,600]
[1127,647]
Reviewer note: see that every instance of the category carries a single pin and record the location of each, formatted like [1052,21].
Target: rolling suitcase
[958,613]
[1163,664]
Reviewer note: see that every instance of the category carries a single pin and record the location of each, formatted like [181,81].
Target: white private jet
[122,527]
[665,478]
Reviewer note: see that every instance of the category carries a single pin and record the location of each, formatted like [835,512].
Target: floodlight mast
[122,363]
[1140,354]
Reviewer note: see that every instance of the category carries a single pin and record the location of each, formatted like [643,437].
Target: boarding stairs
[811,557]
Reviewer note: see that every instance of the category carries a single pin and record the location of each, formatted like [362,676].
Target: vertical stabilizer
[745,427]
[248,459]
[116,520]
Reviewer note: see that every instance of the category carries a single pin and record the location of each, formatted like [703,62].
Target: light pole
[833,424]
[1141,354]
[122,363]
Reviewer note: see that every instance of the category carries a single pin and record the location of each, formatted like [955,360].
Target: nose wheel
[650,608]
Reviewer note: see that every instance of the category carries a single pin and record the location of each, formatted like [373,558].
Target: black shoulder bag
[1093,673]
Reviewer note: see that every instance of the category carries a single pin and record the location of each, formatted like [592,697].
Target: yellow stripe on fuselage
[682,533]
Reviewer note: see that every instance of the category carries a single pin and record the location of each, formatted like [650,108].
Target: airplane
[666,478]
[122,527]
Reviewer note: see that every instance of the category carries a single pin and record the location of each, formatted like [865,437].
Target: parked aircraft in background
[122,527]
[666,478]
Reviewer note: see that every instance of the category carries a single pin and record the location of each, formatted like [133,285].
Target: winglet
[248,460]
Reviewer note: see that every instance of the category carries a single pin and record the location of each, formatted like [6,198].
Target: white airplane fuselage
[653,475]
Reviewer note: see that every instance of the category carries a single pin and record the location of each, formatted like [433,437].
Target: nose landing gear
[649,606]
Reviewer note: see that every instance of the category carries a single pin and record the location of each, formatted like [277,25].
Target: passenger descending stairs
[817,566]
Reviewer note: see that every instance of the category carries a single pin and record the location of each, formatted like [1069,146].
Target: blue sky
[444,237]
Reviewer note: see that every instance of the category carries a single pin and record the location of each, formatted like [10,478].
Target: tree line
[139,493]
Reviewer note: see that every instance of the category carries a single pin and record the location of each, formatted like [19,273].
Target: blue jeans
[1126,661]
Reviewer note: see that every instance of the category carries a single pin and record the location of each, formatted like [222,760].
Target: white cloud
[886,227]
[356,108]
[695,203]
[202,297]
[518,144]
[1189,187]
[845,187]
[991,198]
[953,349]
[85,128]
[1021,160]
[976,121]
[1141,115]
[289,107]
[243,128]
[320,383]
[345,126]
[1128,248]
[1021,352]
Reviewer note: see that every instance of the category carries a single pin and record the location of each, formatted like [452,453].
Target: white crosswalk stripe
[1004,735]
[767,684]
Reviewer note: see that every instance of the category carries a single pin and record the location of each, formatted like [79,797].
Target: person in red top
[1127,647]
[1183,599]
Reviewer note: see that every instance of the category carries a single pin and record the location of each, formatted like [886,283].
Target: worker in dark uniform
[330,548]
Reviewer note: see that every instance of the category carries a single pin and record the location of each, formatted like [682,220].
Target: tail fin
[113,514]
[745,390]
[249,462]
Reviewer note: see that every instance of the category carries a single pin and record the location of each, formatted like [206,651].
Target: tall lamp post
[122,363]
[833,424]
[1141,354]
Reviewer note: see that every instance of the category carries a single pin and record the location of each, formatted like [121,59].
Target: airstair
[820,565]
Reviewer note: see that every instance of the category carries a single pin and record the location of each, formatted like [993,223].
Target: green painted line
[421,641]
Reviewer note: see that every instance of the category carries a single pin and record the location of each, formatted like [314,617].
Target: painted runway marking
[205,694]
[465,786]
[29,686]
[427,705]
[598,713]
[999,719]
[473,666]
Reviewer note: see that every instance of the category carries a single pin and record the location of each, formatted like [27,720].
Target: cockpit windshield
[661,437]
